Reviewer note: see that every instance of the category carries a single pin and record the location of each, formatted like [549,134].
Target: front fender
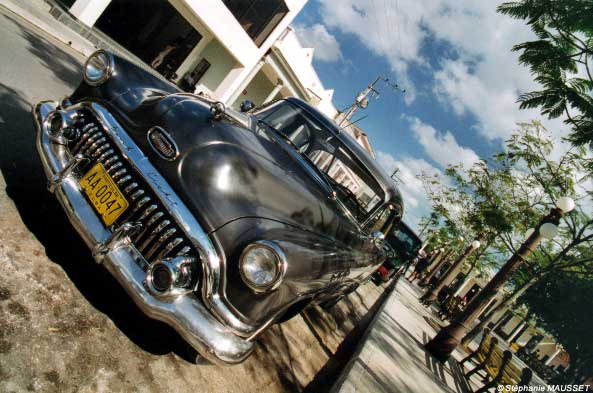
[316,265]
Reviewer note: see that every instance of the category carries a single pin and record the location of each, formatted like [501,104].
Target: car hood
[226,171]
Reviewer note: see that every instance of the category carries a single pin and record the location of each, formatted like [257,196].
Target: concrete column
[549,361]
[244,83]
[463,288]
[483,312]
[503,321]
[516,332]
[88,11]
[275,91]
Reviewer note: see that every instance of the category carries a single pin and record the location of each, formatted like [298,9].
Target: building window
[191,79]
[257,17]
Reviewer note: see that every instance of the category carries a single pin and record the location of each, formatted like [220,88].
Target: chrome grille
[160,236]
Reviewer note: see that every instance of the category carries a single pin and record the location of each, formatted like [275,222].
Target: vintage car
[217,222]
[402,245]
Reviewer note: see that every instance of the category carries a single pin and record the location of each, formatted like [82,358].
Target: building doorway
[153,30]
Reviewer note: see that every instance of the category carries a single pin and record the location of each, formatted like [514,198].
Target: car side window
[357,195]
[384,221]
[289,121]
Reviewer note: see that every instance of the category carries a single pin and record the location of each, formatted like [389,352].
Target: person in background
[421,266]
[167,50]
[411,262]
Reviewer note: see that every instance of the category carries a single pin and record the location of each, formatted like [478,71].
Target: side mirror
[247,105]
[378,238]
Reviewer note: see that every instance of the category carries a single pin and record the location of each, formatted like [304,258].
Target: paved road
[65,324]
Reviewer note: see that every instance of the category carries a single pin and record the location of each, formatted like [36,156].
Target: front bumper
[186,313]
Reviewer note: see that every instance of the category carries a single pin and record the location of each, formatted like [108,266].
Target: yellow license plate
[104,194]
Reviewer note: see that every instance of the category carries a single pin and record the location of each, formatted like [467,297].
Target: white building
[229,50]
[286,70]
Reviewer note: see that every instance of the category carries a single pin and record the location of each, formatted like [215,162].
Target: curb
[346,371]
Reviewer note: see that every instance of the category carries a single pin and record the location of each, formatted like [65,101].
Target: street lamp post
[432,294]
[434,256]
[437,265]
[448,338]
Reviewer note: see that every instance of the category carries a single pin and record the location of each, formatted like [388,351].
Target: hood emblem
[162,143]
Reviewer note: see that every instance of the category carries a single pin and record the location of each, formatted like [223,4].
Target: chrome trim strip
[213,339]
[213,282]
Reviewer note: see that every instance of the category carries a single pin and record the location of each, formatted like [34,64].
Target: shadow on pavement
[62,65]
[41,213]
[461,384]
[336,363]
[273,352]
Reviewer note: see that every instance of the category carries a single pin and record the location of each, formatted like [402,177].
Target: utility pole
[394,175]
[362,99]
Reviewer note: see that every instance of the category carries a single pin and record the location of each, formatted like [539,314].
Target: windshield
[404,241]
[355,186]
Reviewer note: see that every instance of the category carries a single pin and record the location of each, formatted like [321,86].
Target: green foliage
[503,197]
[559,59]
[562,304]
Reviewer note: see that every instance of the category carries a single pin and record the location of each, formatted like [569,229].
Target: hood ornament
[217,110]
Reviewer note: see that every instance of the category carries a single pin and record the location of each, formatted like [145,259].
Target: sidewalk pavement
[37,12]
[392,357]
[56,21]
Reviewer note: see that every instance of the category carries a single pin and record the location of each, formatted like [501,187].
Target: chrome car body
[205,184]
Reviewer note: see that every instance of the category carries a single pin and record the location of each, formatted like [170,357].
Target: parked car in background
[216,222]
[403,245]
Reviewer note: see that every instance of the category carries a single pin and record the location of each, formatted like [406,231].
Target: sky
[453,58]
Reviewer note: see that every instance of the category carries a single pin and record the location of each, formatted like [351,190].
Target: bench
[495,364]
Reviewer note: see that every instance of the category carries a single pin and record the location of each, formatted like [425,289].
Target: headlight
[98,68]
[262,266]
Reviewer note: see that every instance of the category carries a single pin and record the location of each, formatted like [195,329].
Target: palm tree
[560,59]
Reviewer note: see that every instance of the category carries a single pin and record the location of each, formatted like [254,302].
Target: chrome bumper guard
[186,313]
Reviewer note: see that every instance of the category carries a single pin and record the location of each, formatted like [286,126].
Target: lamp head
[566,204]
[548,230]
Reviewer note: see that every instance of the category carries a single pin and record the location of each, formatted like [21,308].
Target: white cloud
[481,77]
[415,201]
[442,147]
[390,30]
[316,36]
